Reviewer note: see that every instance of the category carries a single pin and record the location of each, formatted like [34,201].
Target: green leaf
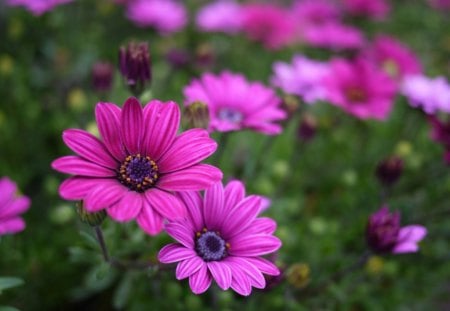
[122,292]
[8,282]
[8,308]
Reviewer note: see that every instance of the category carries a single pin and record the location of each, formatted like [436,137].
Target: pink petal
[104,195]
[240,282]
[408,237]
[175,252]
[11,226]
[213,207]
[188,267]
[221,273]
[194,204]
[264,265]
[108,121]
[77,187]
[149,220]
[194,178]
[166,204]
[200,280]
[188,149]
[253,245]
[78,166]
[89,147]
[255,276]
[234,193]
[161,125]
[8,189]
[241,216]
[182,233]
[15,207]
[127,208]
[262,225]
[132,125]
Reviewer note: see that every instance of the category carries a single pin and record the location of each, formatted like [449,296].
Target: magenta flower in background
[11,206]
[430,94]
[394,57]
[37,7]
[360,89]
[440,4]
[137,164]
[310,13]
[303,77]
[441,134]
[377,9]
[270,24]
[235,103]
[333,35]
[384,234]
[222,239]
[166,16]
[221,16]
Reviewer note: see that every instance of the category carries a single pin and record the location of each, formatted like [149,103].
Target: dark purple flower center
[210,246]
[230,115]
[138,173]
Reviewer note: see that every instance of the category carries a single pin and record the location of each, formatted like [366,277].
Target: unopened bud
[307,128]
[134,64]
[196,115]
[102,76]
[92,219]
[389,170]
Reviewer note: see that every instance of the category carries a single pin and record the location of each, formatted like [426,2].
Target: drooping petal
[78,166]
[188,267]
[194,204]
[221,274]
[175,252]
[264,265]
[213,207]
[200,280]
[166,204]
[194,178]
[161,125]
[255,276]
[241,216]
[240,282]
[253,245]
[182,232]
[149,220]
[132,125]
[89,147]
[108,121]
[189,148]
[127,208]
[77,187]
[234,193]
[104,195]
[11,226]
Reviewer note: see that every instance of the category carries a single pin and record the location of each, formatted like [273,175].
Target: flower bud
[196,115]
[307,128]
[102,76]
[92,219]
[298,275]
[134,64]
[178,58]
[382,230]
[389,170]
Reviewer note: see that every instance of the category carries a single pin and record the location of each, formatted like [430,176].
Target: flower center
[210,246]
[230,115]
[138,173]
[356,95]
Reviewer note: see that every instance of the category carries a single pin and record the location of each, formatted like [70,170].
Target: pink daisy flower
[303,78]
[235,104]
[333,35]
[394,57]
[139,160]
[37,7]
[166,16]
[270,24]
[11,206]
[223,16]
[377,9]
[222,239]
[310,13]
[360,89]
[384,234]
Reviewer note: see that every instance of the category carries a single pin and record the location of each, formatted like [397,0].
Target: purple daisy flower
[37,7]
[140,160]
[235,103]
[11,206]
[222,239]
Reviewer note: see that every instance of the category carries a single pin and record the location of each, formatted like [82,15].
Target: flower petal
[78,166]
[161,125]
[132,125]
[77,187]
[88,147]
[14,207]
[127,208]
[188,267]
[194,204]
[255,276]
[221,273]
[240,282]
[7,190]
[11,226]
[181,232]
[103,195]
[108,121]
[175,252]
[253,245]
[213,207]
[264,265]
[194,178]
[189,148]
[408,237]
[262,225]
[149,220]
[200,280]
[166,204]
[241,216]
[234,193]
